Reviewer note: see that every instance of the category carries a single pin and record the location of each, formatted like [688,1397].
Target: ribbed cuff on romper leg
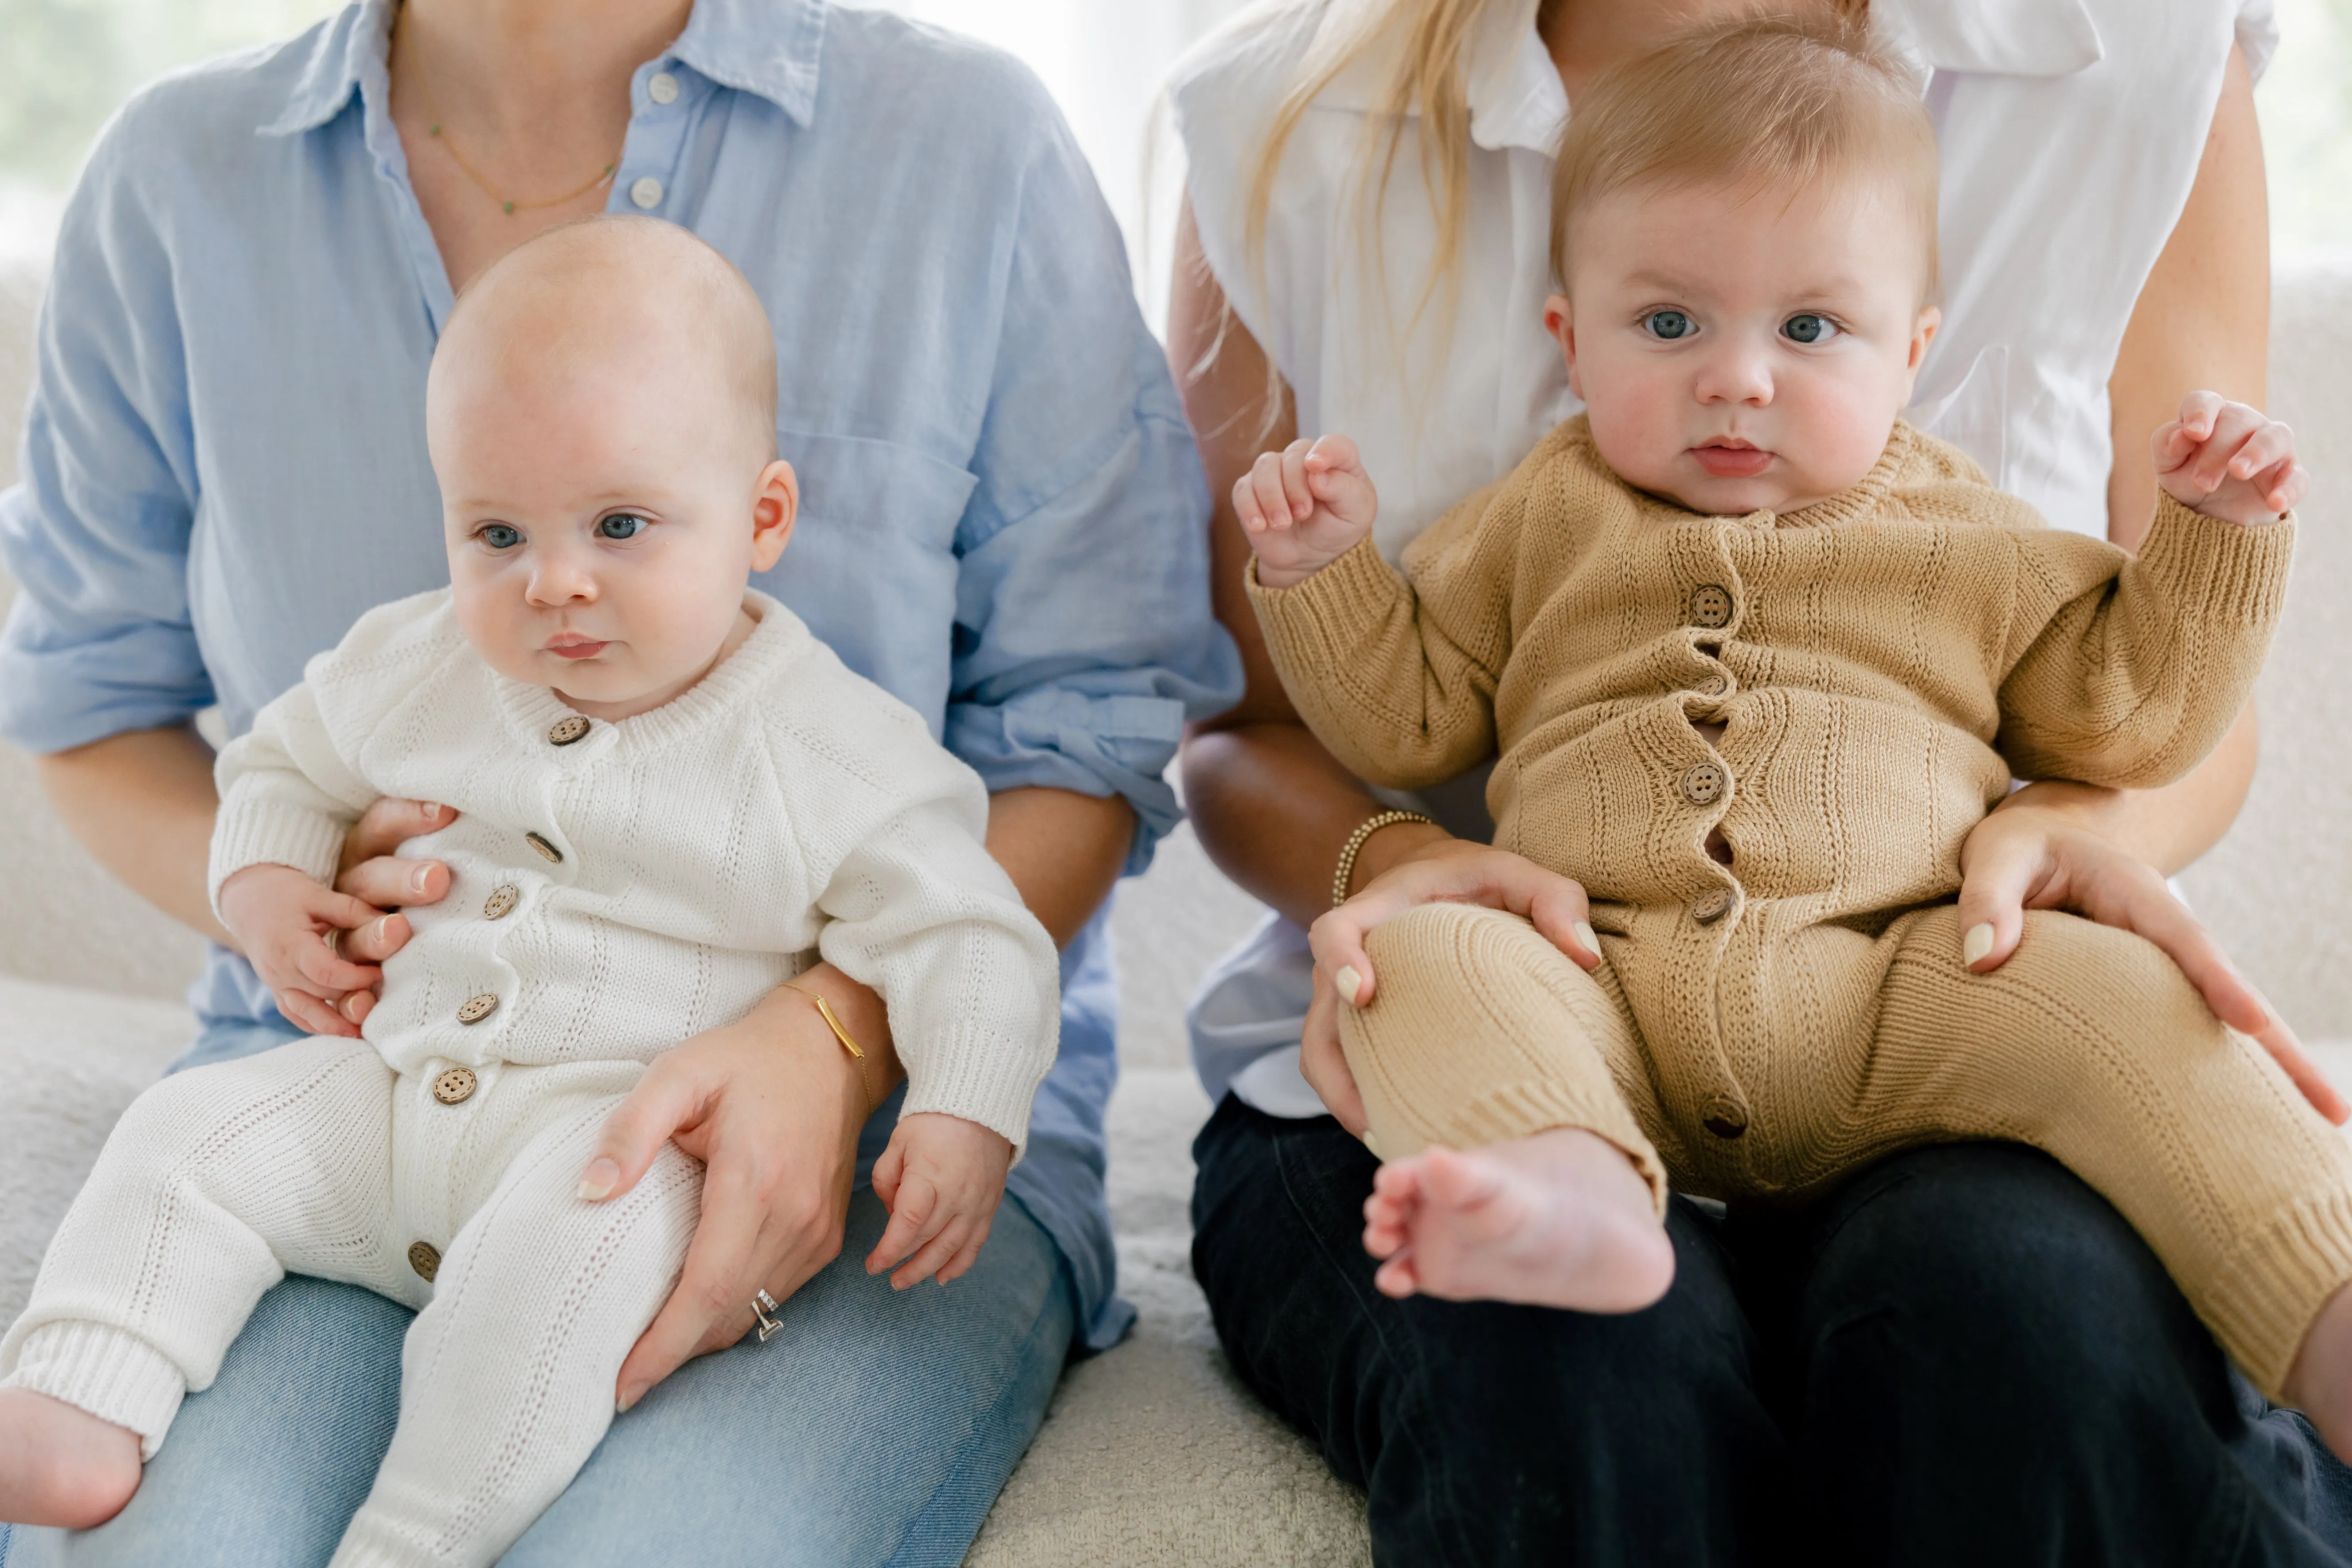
[2270,1289]
[115,1376]
[1524,1110]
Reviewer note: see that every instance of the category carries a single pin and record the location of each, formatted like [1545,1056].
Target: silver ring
[761,1305]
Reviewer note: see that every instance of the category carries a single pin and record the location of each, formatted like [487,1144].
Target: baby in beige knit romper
[1754,655]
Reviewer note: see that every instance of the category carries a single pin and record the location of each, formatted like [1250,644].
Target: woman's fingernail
[380,930]
[417,879]
[430,808]
[621,1405]
[1977,943]
[597,1179]
[1349,983]
[1583,929]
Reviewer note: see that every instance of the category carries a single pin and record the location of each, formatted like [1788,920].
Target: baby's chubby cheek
[499,627]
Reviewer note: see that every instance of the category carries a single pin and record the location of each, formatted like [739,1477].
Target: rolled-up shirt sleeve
[1084,634]
[96,532]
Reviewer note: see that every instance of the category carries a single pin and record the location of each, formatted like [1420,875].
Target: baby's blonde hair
[1793,103]
[570,282]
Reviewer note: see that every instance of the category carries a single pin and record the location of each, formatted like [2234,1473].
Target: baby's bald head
[613,296]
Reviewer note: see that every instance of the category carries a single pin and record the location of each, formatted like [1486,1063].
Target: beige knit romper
[1771,1017]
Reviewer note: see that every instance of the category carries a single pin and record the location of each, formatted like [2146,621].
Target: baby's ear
[1923,333]
[775,506]
[1561,324]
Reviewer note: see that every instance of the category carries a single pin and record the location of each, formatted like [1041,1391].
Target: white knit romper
[616,888]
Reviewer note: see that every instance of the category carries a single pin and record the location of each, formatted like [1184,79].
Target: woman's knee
[1990,1275]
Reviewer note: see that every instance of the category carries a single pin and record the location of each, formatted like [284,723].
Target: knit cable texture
[668,871]
[1840,694]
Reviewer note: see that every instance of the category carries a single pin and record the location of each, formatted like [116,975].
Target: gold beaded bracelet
[824,1011]
[1364,830]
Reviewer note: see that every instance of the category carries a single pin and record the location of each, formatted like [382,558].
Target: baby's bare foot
[1560,1219]
[62,1466]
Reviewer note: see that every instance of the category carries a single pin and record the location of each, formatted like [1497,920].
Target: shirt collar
[1515,97]
[770,48]
[1995,38]
[1514,91]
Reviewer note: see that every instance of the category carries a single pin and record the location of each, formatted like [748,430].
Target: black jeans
[1963,1356]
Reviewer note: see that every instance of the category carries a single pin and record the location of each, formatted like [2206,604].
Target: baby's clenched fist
[1304,507]
[941,1179]
[2228,460]
[286,922]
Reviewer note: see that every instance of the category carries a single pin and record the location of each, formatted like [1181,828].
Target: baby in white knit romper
[671,798]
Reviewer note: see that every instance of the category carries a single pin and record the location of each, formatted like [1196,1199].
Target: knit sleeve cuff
[1354,590]
[253,830]
[982,1080]
[2225,571]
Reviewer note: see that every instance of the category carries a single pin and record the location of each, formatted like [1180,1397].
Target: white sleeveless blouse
[2069,132]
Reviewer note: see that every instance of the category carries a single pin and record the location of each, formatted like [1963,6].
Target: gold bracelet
[1370,826]
[824,1011]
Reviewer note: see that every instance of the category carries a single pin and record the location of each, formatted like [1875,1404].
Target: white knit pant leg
[216,1183]
[506,1377]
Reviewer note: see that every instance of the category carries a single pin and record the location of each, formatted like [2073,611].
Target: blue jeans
[877,1427]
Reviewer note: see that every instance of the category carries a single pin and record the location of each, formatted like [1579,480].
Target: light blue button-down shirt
[224,457]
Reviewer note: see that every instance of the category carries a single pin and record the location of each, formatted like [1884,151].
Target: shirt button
[547,851]
[1725,1118]
[455,1085]
[425,1259]
[1709,907]
[563,731]
[662,89]
[1703,784]
[502,899]
[646,192]
[1710,606]
[474,1009]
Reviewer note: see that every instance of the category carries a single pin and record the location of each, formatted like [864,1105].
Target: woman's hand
[1442,871]
[771,1105]
[373,874]
[2030,856]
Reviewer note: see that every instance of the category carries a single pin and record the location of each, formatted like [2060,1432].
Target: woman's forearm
[2202,319]
[1064,851]
[1273,811]
[142,804]
[2167,828]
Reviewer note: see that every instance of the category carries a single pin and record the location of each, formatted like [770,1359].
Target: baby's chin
[1779,489]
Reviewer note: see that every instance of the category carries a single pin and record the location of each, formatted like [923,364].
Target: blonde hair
[1431,78]
[1787,102]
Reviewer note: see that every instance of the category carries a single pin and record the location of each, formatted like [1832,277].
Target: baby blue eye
[621,525]
[1668,324]
[501,536]
[1807,328]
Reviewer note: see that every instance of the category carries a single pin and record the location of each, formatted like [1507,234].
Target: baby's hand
[284,921]
[941,1179]
[1304,507]
[2228,461]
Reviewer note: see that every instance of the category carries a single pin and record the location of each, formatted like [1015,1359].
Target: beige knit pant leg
[1480,1030]
[216,1183]
[2090,1045]
[507,1378]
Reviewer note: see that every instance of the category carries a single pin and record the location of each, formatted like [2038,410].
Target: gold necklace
[507,204]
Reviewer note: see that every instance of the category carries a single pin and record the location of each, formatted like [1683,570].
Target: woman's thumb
[1992,906]
[634,1132]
